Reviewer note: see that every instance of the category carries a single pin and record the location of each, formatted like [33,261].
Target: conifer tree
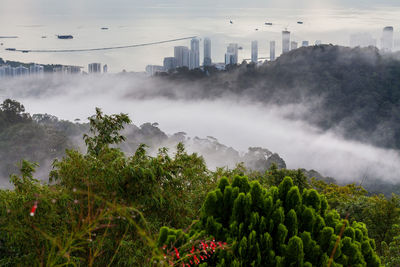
[279,227]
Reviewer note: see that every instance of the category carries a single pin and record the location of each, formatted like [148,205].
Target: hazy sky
[102,4]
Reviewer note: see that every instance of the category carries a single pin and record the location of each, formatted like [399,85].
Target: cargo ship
[65,37]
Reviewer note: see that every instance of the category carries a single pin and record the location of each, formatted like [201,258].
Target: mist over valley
[304,113]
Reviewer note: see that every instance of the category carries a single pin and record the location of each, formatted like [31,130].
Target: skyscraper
[272,50]
[207,52]
[387,39]
[169,63]
[194,54]
[21,70]
[36,69]
[254,51]
[2,71]
[293,45]
[152,70]
[285,41]
[231,56]
[182,56]
[9,71]
[94,68]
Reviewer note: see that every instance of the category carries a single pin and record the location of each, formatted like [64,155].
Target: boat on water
[65,37]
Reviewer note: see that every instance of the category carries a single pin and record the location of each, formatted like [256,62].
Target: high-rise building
[94,68]
[67,70]
[2,71]
[272,50]
[72,69]
[387,39]
[105,68]
[285,41]
[36,69]
[151,70]
[254,51]
[293,45]
[182,56]
[207,52]
[58,70]
[194,54]
[10,71]
[21,70]
[231,56]
[304,43]
[169,63]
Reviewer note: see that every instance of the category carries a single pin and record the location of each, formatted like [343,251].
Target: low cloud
[233,120]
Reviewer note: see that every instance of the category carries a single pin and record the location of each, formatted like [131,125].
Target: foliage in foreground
[105,208]
[93,213]
[277,227]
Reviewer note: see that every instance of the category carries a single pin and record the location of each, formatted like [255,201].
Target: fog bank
[233,121]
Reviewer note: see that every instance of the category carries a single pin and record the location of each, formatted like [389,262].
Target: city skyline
[190,56]
[135,22]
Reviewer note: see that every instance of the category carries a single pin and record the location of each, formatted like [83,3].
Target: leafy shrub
[278,227]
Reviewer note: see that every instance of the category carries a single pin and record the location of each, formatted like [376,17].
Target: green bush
[277,227]
[92,214]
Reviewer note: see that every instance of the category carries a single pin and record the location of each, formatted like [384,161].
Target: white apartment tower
[21,71]
[285,41]
[231,56]
[36,69]
[293,45]
[387,39]
[272,50]
[94,68]
[207,52]
[254,51]
[194,54]
[182,56]
[169,63]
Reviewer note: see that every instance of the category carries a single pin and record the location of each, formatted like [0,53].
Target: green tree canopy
[268,228]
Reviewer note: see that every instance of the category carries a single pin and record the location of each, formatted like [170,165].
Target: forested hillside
[105,208]
[353,91]
[41,138]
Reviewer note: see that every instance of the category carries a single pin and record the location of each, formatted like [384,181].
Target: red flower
[33,210]
[176,253]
